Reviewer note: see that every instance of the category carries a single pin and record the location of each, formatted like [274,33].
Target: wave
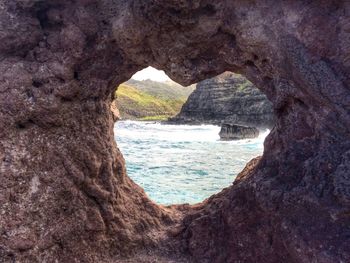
[182,163]
[176,133]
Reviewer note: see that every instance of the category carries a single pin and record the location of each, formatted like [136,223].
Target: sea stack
[230,132]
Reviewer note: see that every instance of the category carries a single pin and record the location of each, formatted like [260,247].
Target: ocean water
[180,163]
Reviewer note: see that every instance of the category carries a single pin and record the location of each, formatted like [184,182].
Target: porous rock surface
[227,98]
[64,192]
[237,132]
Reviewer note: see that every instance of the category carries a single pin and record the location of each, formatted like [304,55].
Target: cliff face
[228,98]
[64,192]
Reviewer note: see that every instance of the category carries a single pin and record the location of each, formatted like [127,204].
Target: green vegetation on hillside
[164,90]
[147,103]
[155,118]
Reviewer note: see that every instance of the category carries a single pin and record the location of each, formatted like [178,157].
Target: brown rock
[61,60]
[115,111]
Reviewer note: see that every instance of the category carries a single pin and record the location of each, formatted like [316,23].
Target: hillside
[164,90]
[150,100]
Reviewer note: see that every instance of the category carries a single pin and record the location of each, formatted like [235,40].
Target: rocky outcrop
[64,192]
[228,98]
[235,132]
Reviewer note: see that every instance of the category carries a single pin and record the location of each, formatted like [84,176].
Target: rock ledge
[230,132]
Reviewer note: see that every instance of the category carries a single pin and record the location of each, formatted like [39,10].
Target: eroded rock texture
[64,192]
[236,132]
[227,98]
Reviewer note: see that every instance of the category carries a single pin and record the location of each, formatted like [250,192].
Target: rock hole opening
[184,144]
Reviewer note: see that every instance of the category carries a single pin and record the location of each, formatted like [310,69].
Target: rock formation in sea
[227,98]
[236,132]
[64,192]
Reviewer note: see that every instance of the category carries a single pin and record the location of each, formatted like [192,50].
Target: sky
[151,73]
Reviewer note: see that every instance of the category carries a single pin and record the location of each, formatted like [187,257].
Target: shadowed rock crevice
[64,191]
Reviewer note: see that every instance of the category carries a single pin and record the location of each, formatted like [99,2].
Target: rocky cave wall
[65,195]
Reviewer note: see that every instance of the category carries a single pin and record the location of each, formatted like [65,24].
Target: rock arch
[64,192]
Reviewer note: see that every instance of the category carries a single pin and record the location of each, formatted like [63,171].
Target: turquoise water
[179,163]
